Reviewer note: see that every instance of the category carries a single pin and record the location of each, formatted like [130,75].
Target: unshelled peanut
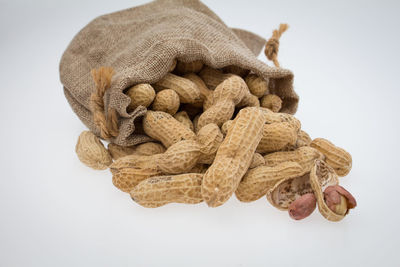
[158,191]
[188,67]
[92,152]
[186,89]
[166,100]
[257,85]
[338,158]
[141,95]
[233,157]
[183,118]
[272,102]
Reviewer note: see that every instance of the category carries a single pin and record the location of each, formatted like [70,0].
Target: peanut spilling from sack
[219,132]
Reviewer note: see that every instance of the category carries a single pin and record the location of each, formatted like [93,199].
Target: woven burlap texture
[141,43]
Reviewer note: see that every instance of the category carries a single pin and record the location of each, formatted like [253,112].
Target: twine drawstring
[272,46]
[108,125]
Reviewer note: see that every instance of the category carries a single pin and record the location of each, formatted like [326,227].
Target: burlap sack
[141,43]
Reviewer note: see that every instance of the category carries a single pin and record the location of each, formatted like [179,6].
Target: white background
[54,211]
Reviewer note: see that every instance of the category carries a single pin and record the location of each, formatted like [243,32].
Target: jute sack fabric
[141,43]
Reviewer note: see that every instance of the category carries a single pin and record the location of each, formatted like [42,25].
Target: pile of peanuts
[218,132]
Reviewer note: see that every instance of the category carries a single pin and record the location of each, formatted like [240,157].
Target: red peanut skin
[332,197]
[302,207]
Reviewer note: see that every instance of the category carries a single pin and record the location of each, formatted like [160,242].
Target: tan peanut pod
[228,94]
[183,118]
[225,127]
[167,101]
[205,93]
[117,151]
[304,156]
[210,138]
[272,102]
[258,181]
[257,85]
[338,158]
[212,77]
[195,124]
[130,170]
[186,89]
[287,190]
[277,136]
[232,69]
[257,160]
[233,157]
[173,66]
[165,128]
[199,168]
[188,67]
[91,151]
[322,176]
[158,191]
[181,157]
[271,117]
[303,139]
[141,95]
[149,149]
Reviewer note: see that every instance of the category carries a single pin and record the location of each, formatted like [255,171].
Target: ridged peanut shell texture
[212,77]
[322,176]
[183,118]
[229,93]
[92,152]
[304,156]
[210,138]
[117,151]
[167,101]
[180,157]
[149,148]
[272,102]
[165,128]
[158,191]
[141,95]
[186,89]
[130,170]
[257,85]
[258,181]
[277,136]
[338,158]
[233,157]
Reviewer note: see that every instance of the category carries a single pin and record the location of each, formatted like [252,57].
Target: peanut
[149,149]
[210,138]
[304,156]
[249,100]
[287,190]
[158,191]
[130,170]
[165,128]
[92,152]
[257,160]
[188,67]
[321,177]
[141,95]
[167,101]
[117,151]
[277,136]
[272,102]
[258,181]
[338,158]
[181,157]
[272,117]
[183,118]
[186,89]
[339,200]
[257,85]
[233,157]
[212,77]
[205,93]
[303,206]
[225,97]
